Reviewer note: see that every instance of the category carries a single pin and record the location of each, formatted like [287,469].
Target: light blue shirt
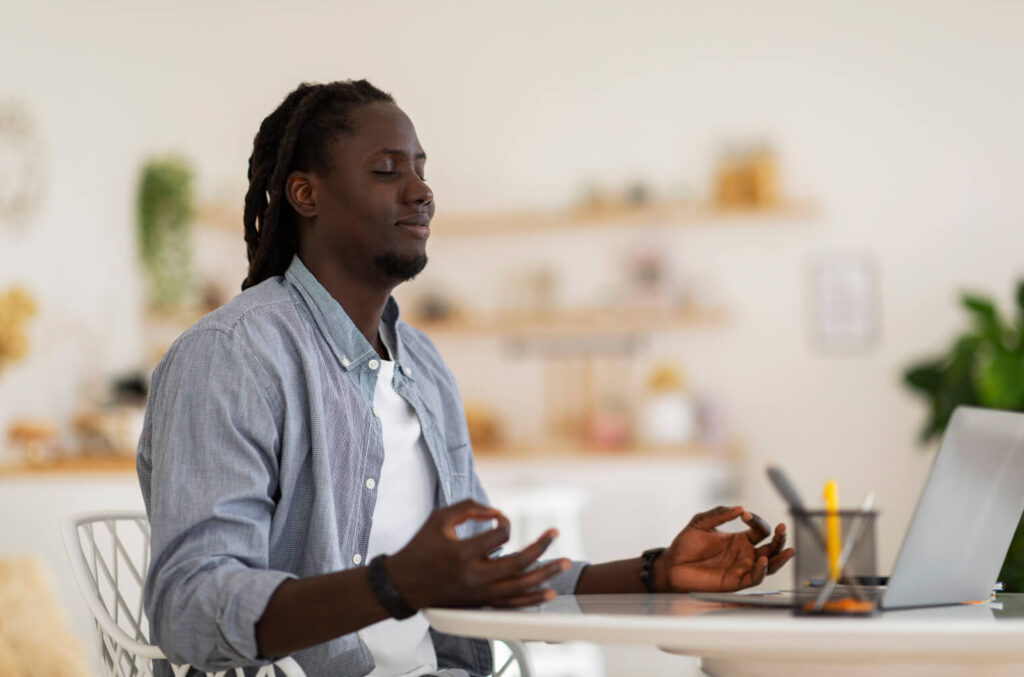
[258,443]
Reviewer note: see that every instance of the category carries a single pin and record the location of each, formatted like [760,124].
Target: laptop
[963,523]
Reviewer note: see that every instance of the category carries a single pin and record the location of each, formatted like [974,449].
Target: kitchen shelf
[568,451]
[110,464]
[666,215]
[608,322]
[656,214]
[74,465]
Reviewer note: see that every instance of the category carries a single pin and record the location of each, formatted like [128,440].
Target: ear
[300,192]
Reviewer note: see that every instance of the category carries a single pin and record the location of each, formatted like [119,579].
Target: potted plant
[984,367]
[164,209]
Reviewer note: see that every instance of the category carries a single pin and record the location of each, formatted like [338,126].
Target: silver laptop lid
[967,513]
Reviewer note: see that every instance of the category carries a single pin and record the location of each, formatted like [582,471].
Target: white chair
[532,508]
[511,659]
[109,553]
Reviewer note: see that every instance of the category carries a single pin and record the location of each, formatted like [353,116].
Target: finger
[522,584]
[756,573]
[759,529]
[775,563]
[464,504]
[715,517]
[744,573]
[467,509]
[778,542]
[531,599]
[513,563]
[481,544]
[463,511]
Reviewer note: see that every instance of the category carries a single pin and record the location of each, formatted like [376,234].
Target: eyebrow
[401,153]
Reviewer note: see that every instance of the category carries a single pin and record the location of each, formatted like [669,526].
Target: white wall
[901,118]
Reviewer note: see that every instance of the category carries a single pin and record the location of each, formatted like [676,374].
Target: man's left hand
[703,559]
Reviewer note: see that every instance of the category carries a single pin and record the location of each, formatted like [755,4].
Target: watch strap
[647,572]
[385,591]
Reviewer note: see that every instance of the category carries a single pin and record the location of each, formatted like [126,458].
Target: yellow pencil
[833,539]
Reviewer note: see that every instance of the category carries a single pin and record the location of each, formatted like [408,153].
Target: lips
[417,225]
[415,220]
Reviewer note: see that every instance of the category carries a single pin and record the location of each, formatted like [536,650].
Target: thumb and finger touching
[759,528]
[715,517]
[468,510]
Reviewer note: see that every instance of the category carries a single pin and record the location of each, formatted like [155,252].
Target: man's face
[373,208]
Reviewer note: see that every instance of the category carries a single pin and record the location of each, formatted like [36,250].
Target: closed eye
[383,173]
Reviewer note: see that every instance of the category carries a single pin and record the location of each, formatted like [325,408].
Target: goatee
[401,268]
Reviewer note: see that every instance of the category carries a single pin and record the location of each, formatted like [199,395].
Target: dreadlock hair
[295,137]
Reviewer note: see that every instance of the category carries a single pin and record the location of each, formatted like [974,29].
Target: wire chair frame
[516,664]
[109,554]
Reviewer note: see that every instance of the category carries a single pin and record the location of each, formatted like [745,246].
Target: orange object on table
[843,605]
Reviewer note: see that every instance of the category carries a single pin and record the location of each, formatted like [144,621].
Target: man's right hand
[437,568]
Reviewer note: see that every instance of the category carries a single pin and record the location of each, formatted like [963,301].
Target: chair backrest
[533,508]
[109,555]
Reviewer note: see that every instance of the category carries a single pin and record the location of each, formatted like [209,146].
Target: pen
[833,541]
[796,505]
[851,540]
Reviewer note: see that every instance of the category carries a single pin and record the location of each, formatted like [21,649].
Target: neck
[363,302]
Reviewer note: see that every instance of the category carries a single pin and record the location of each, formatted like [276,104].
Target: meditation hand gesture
[703,559]
[437,568]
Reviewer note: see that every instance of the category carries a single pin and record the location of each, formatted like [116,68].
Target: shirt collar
[349,345]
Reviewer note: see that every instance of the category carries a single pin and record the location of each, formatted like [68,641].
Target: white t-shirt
[405,498]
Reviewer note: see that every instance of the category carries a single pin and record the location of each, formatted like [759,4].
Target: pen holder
[851,554]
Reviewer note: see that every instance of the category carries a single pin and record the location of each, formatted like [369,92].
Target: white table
[735,641]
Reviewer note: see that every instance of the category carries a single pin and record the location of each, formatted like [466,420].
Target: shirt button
[407,371]
[370,484]
[376,413]
[357,558]
[345,362]
[373,364]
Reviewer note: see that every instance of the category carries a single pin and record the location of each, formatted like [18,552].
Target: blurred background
[674,241]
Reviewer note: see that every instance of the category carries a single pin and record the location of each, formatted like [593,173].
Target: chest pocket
[444,430]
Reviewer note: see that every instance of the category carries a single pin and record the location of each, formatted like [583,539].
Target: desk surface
[748,641]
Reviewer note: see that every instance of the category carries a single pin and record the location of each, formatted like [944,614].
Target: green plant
[983,367]
[164,209]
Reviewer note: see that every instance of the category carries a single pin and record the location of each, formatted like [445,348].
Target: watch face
[22,167]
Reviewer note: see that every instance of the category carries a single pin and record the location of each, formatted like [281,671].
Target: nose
[418,192]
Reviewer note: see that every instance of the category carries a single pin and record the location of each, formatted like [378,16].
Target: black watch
[647,573]
[385,591]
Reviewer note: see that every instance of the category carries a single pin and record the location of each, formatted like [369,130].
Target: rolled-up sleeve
[208,467]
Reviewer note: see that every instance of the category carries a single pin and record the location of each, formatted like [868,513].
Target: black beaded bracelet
[385,591]
[647,573]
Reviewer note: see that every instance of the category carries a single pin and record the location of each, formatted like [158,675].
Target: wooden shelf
[558,450]
[73,465]
[220,217]
[610,322]
[537,451]
[668,215]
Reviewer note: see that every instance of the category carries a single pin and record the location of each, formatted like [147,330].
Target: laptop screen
[966,515]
